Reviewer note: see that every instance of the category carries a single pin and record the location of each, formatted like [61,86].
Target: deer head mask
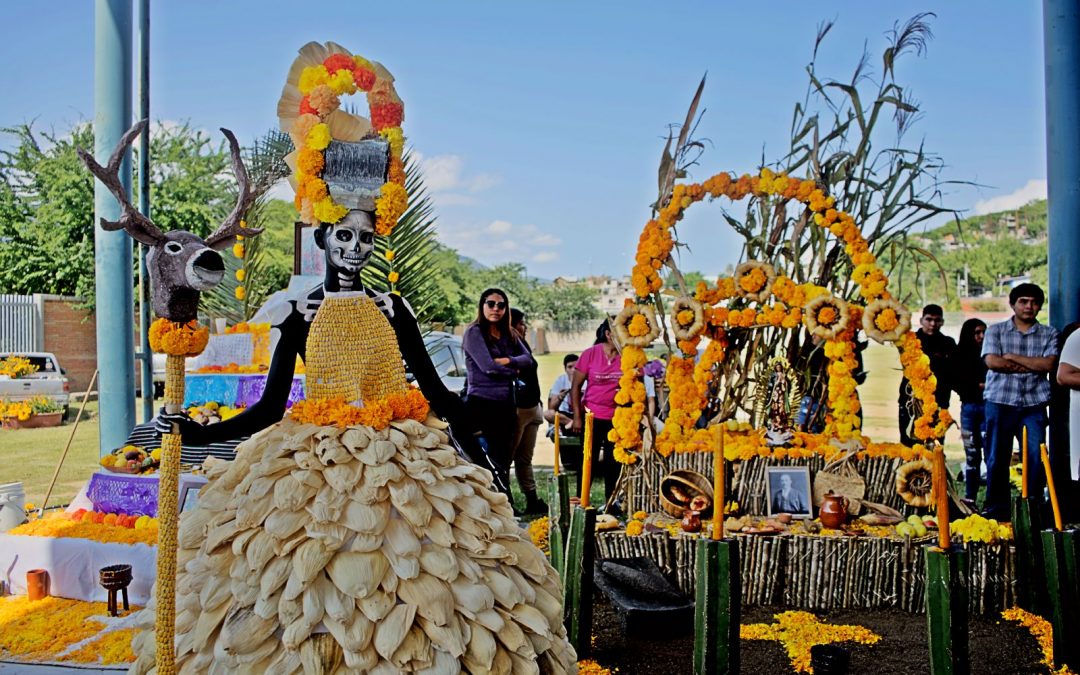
[181,264]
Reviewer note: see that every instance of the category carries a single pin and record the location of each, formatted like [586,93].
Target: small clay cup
[37,584]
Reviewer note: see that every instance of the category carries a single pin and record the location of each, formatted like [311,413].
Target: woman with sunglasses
[494,358]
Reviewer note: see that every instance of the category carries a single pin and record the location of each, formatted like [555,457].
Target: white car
[49,380]
[449,359]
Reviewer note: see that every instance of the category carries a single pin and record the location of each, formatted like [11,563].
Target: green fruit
[905,529]
[915,520]
[920,530]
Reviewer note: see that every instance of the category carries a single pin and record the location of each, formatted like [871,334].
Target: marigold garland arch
[771,301]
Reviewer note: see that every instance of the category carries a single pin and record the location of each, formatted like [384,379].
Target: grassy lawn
[31,454]
[30,457]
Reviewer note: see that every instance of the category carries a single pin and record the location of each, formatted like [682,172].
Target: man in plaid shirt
[1019,353]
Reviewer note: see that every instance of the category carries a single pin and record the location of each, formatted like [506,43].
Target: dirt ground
[996,646]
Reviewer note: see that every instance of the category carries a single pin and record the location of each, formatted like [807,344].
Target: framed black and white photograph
[789,490]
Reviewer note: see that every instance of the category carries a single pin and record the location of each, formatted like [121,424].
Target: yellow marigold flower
[396,138]
[238,250]
[638,326]
[240,274]
[634,528]
[326,211]
[316,190]
[389,255]
[389,207]
[311,77]
[319,137]
[241,293]
[393,277]
[342,82]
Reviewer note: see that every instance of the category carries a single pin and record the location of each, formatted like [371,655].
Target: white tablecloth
[73,565]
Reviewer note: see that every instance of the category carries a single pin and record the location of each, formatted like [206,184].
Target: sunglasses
[495,304]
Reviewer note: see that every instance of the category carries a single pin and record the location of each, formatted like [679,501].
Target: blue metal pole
[1061,36]
[112,250]
[146,359]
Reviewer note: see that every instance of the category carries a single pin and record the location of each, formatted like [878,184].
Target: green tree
[47,202]
[459,287]
[567,303]
[46,213]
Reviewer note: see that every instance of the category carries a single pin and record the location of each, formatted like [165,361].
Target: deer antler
[229,229]
[134,223]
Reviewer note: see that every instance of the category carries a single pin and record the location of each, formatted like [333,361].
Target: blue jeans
[810,418]
[1003,425]
[972,428]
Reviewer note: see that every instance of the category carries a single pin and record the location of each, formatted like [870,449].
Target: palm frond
[414,245]
[265,161]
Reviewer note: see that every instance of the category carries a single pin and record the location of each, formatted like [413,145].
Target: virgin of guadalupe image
[350,533]
[777,399]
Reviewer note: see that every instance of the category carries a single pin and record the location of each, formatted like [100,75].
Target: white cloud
[500,241]
[448,181]
[1033,189]
[545,240]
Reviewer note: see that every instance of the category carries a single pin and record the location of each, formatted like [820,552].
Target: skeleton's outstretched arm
[271,406]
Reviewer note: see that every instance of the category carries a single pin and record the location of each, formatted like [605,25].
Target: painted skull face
[350,242]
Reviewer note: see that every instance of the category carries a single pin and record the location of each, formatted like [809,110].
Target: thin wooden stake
[67,446]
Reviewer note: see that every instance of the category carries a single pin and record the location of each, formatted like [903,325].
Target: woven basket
[692,483]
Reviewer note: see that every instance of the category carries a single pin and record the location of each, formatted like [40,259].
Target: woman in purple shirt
[493,358]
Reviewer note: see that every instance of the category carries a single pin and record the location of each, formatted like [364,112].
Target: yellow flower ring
[754,280]
[886,320]
[636,325]
[689,320]
[826,316]
[310,112]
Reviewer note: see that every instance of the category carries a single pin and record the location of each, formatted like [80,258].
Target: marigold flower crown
[343,161]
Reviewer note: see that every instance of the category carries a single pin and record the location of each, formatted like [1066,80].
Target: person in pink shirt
[600,366]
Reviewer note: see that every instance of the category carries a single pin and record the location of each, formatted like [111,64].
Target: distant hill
[979,256]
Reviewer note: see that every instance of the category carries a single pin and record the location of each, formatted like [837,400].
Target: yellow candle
[557,425]
[1058,524]
[1024,464]
[718,485]
[586,461]
[941,493]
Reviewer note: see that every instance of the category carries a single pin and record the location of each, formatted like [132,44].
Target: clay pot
[833,510]
[691,521]
[37,584]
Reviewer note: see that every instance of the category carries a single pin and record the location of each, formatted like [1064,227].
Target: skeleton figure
[347,246]
[181,264]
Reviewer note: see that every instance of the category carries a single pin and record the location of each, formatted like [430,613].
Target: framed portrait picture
[190,484]
[789,490]
[308,259]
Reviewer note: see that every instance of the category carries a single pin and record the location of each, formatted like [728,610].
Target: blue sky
[541,124]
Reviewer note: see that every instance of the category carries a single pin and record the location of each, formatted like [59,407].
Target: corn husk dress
[322,549]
